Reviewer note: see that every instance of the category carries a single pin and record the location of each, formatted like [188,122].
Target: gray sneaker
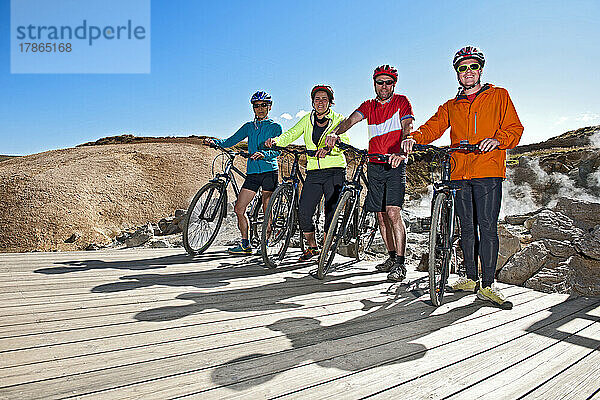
[398,273]
[385,266]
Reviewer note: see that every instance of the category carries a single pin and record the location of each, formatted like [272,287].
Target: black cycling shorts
[266,180]
[387,186]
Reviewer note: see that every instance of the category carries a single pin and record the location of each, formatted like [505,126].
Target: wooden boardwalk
[156,324]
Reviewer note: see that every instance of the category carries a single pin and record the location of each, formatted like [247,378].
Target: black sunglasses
[260,105]
[381,83]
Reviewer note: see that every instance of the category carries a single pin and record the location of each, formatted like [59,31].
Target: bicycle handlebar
[228,151]
[308,152]
[346,146]
[468,148]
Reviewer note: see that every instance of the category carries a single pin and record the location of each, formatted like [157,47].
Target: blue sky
[207,58]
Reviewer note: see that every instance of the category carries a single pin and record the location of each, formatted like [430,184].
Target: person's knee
[395,215]
[239,209]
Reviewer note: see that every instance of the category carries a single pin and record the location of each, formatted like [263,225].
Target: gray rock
[520,218]
[509,245]
[140,236]
[560,249]
[424,262]
[553,225]
[525,263]
[586,275]
[589,244]
[553,277]
[73,238]
[157,244]
[164,224]
[179,213]
[585,214]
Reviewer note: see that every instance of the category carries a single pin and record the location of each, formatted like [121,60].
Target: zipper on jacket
[475,124]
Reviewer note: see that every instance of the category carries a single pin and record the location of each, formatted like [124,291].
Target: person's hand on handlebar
[407,145]
[322,152]
[208,142]
[270,142]
[331,140]
[257,156]
[395,159]
[488,144]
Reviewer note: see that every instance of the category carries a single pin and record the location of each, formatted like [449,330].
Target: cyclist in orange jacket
[483,115]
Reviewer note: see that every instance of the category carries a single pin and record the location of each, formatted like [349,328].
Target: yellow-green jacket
[305,126]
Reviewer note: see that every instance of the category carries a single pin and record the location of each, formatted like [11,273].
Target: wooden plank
[203,337]
[398,362]
[257,364]
[160,368]
[506,369]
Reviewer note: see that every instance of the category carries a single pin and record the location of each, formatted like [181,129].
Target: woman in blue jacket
[262,169]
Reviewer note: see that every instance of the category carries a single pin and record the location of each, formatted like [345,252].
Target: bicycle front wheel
[439,248]
[204,218]
[277,227]
[336,233]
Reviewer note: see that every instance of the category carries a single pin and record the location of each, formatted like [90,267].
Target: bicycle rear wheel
[204,217]
[336,232]
[439,248]
[367,228]
[277,227]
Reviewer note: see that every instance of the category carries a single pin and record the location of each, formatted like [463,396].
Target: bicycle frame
[227,177]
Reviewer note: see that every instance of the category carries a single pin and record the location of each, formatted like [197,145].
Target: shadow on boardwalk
[268,297]
[587,314]
[222,275]
[143,264]
[388,334]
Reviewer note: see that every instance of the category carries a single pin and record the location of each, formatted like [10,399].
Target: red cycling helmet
[324,88]
[468,52]
[386,70]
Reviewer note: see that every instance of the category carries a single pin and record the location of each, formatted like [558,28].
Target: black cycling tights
[321,182]
[478,206]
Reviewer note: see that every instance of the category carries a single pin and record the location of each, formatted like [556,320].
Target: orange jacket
[491,115]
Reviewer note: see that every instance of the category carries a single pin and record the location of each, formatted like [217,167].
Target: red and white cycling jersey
[385,130]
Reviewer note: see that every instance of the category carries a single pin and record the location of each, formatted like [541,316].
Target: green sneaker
[494,296]
[240,250]
[464,284]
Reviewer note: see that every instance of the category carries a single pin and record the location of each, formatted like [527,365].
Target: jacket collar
[313,114]
[462,96]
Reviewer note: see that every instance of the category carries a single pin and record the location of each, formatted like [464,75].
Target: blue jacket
[257,133]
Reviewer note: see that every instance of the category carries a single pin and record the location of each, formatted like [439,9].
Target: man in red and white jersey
[390,119]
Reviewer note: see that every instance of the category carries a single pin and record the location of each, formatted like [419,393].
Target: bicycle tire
[253,221]
[367,229]
[199,234]
[335,233]
[280,209]
[439,249]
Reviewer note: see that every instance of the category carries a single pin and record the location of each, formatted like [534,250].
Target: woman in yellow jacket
[326,172]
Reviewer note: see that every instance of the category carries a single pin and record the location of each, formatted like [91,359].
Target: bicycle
[444,233]
[350,219]
[281,216]
[209,206]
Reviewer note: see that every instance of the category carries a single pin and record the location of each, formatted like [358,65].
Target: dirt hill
[100,188]
[95,191]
